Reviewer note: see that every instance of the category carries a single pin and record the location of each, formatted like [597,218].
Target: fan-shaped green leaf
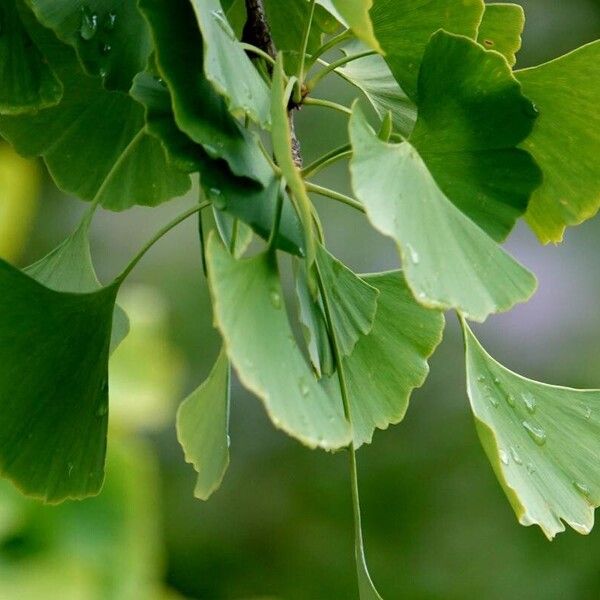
[111,38]
[202,429]
[389,363]
[543,442]
[250,313]
[472,115]
[28,82]
[449,262]
[403,28]
[355,14]
[373,77]
[565,140]
[69,268]
[54,386]
[501,29]
[227,66]
[199,110]
[94,142]
[353,302]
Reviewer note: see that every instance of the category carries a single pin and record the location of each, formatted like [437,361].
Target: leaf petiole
[301,69]
[329,68]
[328,193]
[327,104]
[327,160]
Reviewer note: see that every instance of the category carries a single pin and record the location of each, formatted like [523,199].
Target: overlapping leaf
[565,140]
[403,28]
[388,363]
[95,141]
[54,386]
[28,82]
[227,66]
[501,29]
[111,38]
[250,313]
[543,442]
[355,14]
[449,262]
[202,429]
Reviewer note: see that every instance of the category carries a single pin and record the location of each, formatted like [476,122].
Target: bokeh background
[437,525]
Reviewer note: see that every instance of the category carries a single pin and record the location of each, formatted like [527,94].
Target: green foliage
[126,103]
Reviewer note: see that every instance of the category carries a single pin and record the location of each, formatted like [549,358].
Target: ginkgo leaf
[54,386]
[199,111]
[449,262]
[228,68]
[69,268]
[472,116]
[250,313]
[543,442]
[352,301]
[202,429]
[389,363]
[111,38]
[94,142]
[283,150]
[403,28]
[565,140]
[235,234]
[355,14]
[373,77]
[28,82]
[501,29]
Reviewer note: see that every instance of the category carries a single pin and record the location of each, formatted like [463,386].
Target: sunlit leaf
[565,140]
[250,313]
[202,429]
[472,116]
[227,66]
[389,363]
[54,386]
[543,442]
[28,82]
[449,262]
[353,302]
[355,13]
[501,29]
[111,38]
[199,111]
[69,268]
[94,142]
[373,77]
[403,28]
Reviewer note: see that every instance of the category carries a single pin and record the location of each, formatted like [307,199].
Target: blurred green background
[436,522]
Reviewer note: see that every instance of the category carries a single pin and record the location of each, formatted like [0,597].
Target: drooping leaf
[227,66]
[199,111]
[54,386]
[111,39]
[472,116]
[449,262]
[95,141]
[283,150]
[314,327]
[565,140]
[250,313]
[543,442]
[389,363]
[69,269]
[28,82]
[403,28]
[202,429]
[501,29]
[373,77]
[355,13]
[353,302]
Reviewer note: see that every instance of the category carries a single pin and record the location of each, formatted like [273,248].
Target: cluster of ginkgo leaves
[448,147]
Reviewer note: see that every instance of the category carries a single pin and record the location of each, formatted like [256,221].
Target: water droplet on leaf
[110,21]
[503,457]
[536,433]
[275,298]
[530,403]
[105,49]
[413,255]
[89,24]
[515,456]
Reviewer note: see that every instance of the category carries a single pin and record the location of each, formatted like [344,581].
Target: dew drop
[89,24]
[481,378]
[110,21]
[304,389]
[583,489]
[531,468]
[504,457]
[537,434]
[510,399]
[530,403]
[496,381]
[413,255]
[587,413]
[275,298]
[105,49]
[515,456]
[215,195]
[491,397]
[531,110]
